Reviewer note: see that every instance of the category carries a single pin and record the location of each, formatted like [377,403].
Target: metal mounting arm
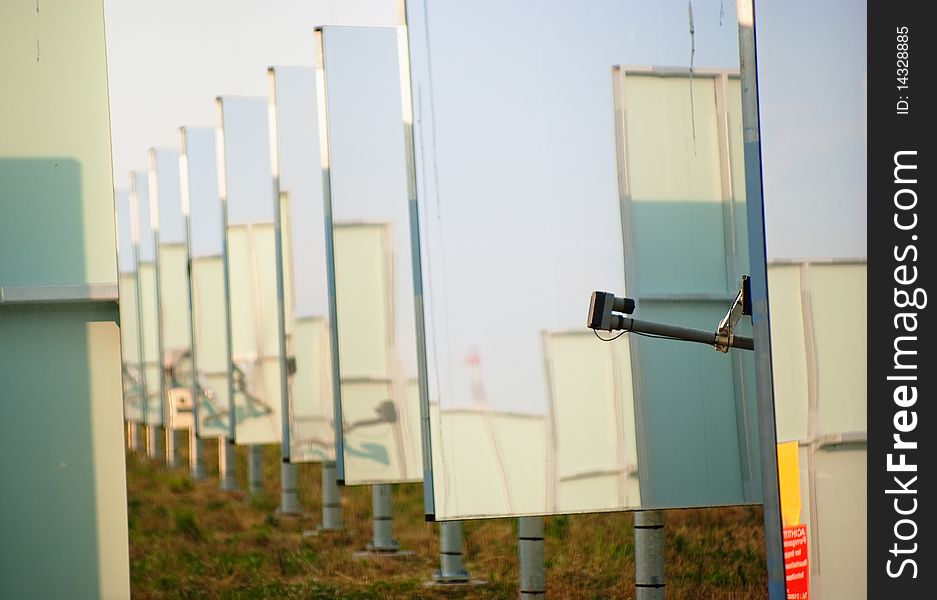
[604,306]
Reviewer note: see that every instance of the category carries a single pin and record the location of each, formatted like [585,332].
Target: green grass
[191,540]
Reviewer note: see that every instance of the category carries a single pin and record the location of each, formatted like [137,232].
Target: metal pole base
[649,555]
[452,572]
[530,549]
[382,542]
[451,568]
[255,470]
[289,497]
[226,480]
[331,501]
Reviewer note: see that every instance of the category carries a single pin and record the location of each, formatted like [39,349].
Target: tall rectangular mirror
[246,188]
[148,302]
[302,229]
[814,177]
[370,269]
[130,349]
[172,266]
[208,304]
[546,172]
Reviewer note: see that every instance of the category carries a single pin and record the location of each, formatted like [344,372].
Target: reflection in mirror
[149,317]
[172,278]
[371,286]
[682,171]
[302,229]
[815,223]
[129,319]
[524,211]
[205,246]
[246,190]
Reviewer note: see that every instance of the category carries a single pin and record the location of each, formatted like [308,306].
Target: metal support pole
[255,469]
[226,479]
[451,567]
[382,520]
[172,449]
[649,555]
[530,549]
[754,208]
[196,457]
[331,502]
[289,498]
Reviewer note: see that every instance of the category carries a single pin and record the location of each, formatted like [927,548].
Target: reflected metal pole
[255,469]
[530,549]
[226,480]
[133,441]
[649,554]
[154,442]
[196,456]
[172,449]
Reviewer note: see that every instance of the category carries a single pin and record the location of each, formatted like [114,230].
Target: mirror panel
[172,265]
[205,247]
[302,229]
[130,349]
[545,174]
[148,300]
[815,235]
[247,196]
[371,285]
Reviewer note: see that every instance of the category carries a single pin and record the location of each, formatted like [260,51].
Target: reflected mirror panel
[204,244]
[371,271]
[133,388]
[814,178]
[302,230]
[247,198]
[147,295]
[547,172]
[172,265]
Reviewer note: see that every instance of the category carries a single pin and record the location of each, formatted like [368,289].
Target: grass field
[191,540]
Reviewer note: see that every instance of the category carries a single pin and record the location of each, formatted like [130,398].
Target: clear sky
[168,60]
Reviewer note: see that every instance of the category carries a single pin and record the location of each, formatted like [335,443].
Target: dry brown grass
[191,540]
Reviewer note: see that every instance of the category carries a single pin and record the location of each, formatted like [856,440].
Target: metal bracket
[725,336]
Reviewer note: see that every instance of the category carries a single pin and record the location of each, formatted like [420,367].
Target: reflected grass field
[191,540]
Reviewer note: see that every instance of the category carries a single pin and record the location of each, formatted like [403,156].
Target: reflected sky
[813,135]
[300,176]
[248,181]
[368,164]
[126,262]
[202,183]
[518,175]
[164,173]
[140,197]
